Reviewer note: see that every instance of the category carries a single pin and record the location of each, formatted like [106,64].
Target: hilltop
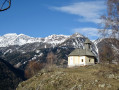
[96,77]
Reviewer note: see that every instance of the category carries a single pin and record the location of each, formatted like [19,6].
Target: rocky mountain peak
[77,35]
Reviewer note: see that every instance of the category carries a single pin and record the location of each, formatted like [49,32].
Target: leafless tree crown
[111,20]
[110,30]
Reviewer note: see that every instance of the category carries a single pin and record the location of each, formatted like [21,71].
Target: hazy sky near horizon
[41,18]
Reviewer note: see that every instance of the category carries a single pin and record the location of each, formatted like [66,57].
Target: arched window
[89,60]
[82,60]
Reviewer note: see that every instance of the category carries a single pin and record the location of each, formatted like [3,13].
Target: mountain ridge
[60,45]
[21,39]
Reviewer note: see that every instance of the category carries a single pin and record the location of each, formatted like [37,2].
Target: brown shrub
[33,68]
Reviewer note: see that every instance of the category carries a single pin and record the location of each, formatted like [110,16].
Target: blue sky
[41,18]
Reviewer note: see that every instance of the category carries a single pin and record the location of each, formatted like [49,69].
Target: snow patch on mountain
[8,51]
[56,39]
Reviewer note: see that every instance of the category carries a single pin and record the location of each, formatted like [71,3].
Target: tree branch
[3,5]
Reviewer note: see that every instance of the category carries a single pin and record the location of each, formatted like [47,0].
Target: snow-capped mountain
[14,39]
[26,43]
[21,39]
[55,39]
[22,48]
[75,41]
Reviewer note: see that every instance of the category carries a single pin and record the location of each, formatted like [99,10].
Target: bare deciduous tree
[111,21]
[33,68]
[5,4]
[106,54]
[50,58]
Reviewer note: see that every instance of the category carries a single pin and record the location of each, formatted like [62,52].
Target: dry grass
[96,77]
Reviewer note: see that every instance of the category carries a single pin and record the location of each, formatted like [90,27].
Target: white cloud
[89,11]
[88,32]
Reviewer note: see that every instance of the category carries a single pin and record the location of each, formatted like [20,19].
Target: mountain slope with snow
[21,39]
[19,49]
[28,43]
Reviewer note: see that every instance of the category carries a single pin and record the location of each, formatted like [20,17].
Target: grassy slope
[95,77]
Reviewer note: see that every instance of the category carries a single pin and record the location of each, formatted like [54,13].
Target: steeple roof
[83,52]
[87,41]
